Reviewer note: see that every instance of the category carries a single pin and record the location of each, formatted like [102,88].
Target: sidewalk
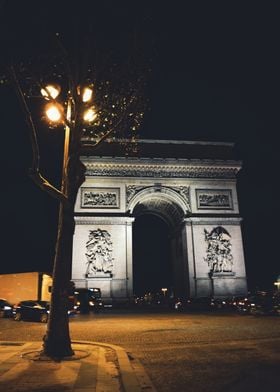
[95,367]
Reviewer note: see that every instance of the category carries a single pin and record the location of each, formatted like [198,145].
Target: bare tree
[115,109]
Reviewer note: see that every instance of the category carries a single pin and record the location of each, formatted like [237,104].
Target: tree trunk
[57,342]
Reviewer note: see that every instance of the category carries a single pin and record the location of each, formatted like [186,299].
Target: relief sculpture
[218,253]
[105,198]
[99,253]
[183,191]
[100,197]
[214,199]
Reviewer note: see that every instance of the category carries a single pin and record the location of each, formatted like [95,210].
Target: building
[191,186]
[22,286]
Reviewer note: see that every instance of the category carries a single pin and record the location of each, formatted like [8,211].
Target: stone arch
[172,206]
[189,185]
[164,202]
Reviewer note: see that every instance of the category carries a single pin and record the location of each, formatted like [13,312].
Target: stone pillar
[116,282]
[129,258]
[190,258]
[215,280]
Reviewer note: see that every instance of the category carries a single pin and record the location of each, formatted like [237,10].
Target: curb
[129,380]
[133,377]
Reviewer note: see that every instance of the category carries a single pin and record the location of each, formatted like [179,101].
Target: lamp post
[120,109]
[277,283]
[164,290]
[57,342]
[57,115]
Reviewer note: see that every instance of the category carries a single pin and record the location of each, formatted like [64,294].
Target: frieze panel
[214,199]
[218,254]
[100,198]
[161,172]
[99,249]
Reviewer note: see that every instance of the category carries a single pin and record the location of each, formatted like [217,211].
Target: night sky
[214,77]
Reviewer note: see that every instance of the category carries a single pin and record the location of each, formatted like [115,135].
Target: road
[201,352]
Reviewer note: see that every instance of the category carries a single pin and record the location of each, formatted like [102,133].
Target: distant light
[87,94]
[54,112]
[90,115]
[164,290]
[51,90]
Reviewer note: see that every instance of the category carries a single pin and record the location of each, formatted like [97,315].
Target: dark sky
[215,76]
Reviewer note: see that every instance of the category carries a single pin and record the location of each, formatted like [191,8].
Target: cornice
[213,220]
[162,168]
[92,220]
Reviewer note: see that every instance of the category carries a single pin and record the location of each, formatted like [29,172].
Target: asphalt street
[200,352]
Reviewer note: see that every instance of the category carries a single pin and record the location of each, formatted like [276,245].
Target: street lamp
[277,283]
[76,111]
[55,111]
[57,114]
[164,290]
[113,105]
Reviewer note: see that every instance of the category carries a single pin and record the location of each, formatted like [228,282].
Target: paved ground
[94,367]
[181,352]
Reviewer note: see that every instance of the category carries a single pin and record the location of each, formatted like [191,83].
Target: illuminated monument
[191,186]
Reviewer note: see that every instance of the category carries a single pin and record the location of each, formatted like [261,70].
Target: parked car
[181,304]
[6,309]
[197,304]
[87,300]
[31,310]
[243,304]
[266,304]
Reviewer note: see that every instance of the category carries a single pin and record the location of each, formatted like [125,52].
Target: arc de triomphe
[191,186]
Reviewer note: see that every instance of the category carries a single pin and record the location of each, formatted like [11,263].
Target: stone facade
[197,198]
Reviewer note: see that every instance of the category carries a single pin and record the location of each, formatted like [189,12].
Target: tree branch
[108,133]
[34,171]
[47,187]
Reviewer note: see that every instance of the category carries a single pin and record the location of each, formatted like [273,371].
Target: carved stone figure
[218,253]
[94,198]
[131,191]
[99,252]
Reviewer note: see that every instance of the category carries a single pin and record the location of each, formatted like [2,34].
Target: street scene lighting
[164,290]
[87,94]
[54,112]
[50,91]
[64,112]
[86,119]
[90,115]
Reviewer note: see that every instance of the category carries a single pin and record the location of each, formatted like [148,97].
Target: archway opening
[152,266]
